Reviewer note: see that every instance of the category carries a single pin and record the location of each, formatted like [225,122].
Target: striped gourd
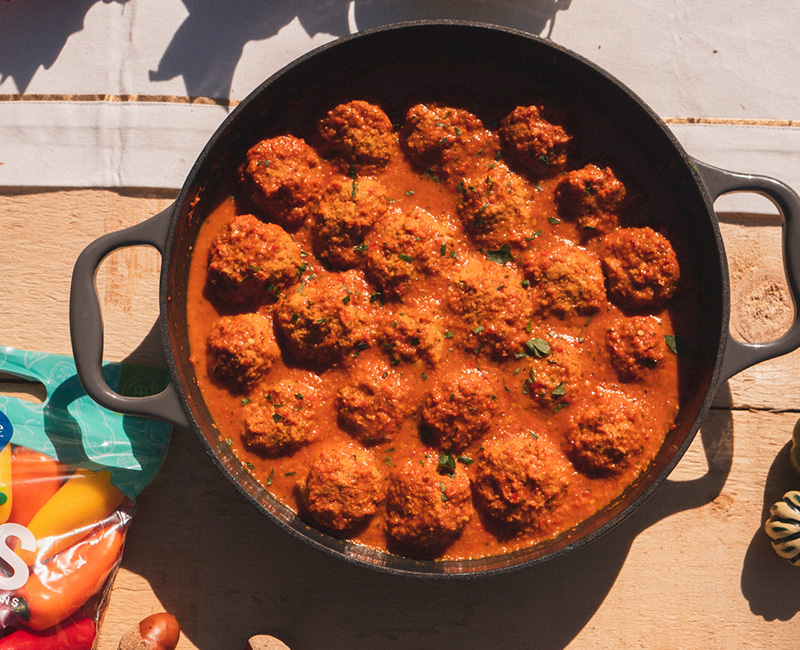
[783,527]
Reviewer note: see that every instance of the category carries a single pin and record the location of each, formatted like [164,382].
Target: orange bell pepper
[35,477]
[85,499]
[6,489]
[60,587]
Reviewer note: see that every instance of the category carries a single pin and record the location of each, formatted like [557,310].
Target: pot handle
[86,323]
[739,355]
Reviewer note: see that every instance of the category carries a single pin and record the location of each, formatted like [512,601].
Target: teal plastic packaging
[70,472]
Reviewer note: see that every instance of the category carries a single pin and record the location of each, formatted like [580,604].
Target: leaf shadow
[33,33]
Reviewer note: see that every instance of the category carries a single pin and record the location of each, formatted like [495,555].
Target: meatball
[533,143]
[347,211]
[519,479]
[425,509]
[641,268]
[283,177]
[494,307]
[412,334]
[371,407]
[445,141]
[343,488]
[606,436]
[495,208]
[240,350]
[555,372]
[250,261]
[565,279]
[591,196]
[281,420]
[459,411]
[636,346]
[326,318]
[404,247]
[359,133]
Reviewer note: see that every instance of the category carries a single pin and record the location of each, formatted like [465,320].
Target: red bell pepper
[69,635]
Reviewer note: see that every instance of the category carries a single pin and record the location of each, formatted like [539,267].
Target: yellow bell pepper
[85,499]
[6,500]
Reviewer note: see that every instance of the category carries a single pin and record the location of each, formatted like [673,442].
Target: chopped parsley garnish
[377,296]
[676,345]
[443,249]
[246,401]
[538,347]
[302,268]
[554,220]
[448,334]
[270,477]
[478,329]
[277,418]
[443,488]
[409,192]
[249,465]
[447,462]
[560,406]
[360,247]
[465,460]
[294,318]
[559,391]
[405,258]
[500,256]
[355,189]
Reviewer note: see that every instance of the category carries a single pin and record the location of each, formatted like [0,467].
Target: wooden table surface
[689,569]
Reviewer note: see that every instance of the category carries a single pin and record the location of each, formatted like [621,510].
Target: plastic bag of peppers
[70,472]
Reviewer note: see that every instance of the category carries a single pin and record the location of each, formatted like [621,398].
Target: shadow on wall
[33,33]
[206,48]
[206,55]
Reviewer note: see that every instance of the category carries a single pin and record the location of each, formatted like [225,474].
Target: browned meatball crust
[241,349]
[411,334]
[426,510]
[372,406]
[347,211]
[555,371]
[494,308]
[533,143]
[343,487]
[250,261]
[405,247]
[566,280]
[281,420]
[283,177]
[325,318]
[593,197]
[444,141]
[607,436]
[641,268]
[519,479]
[458,412]
[495,208]
[636,345]
[359,133]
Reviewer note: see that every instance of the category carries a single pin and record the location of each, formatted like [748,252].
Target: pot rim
[356,553]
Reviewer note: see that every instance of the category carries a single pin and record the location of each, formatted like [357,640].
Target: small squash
[794,453]
[783,527]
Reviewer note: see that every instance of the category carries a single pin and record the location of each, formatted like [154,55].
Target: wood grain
[690,569]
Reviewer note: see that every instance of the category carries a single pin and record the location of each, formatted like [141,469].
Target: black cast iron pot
[481,66]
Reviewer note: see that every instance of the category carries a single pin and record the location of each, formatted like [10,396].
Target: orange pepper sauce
[657,394]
